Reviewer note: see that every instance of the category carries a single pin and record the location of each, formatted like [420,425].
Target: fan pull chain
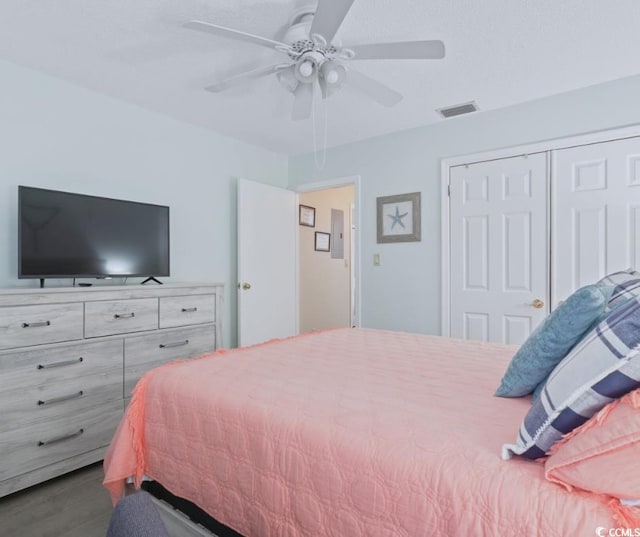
[320,164]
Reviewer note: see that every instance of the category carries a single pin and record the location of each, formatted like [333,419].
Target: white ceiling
[499,53]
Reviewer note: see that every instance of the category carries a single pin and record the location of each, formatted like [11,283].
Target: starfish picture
[397,218]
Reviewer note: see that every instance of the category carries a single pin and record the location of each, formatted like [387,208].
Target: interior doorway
[328,256]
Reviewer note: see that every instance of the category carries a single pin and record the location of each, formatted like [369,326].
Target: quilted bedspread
[346,433]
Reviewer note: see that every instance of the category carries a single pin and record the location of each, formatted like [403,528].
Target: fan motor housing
[297,33]
[303,14]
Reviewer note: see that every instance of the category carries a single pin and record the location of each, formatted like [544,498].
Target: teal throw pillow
[608,310]
[536,393]
[553,339]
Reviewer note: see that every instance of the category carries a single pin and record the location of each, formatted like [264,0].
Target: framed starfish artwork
[399,218]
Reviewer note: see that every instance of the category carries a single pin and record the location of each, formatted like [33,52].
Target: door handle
[246,286]
[537,303]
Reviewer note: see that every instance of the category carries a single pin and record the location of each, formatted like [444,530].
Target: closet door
[499,245]
[595,213]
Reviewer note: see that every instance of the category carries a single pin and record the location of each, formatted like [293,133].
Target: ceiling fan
[314,57]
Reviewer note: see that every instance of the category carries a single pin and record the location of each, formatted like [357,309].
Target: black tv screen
[64,235]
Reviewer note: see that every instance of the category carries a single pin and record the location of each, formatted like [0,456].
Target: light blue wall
[57,135]
[404,292]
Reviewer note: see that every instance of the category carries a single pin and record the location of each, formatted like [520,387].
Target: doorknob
[537,303]
[246,286]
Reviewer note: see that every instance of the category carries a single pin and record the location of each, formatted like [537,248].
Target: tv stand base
[151,279]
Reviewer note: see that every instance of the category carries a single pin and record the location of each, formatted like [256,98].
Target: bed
[349,432]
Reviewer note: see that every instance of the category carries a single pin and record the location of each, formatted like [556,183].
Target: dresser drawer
[143,353]
[187,310]
[62,386]
[36,446]
[110,317]
[50,365]
[34,325]
[39,405]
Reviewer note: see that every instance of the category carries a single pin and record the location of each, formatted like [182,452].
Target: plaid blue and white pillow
[616,278]
[604,366]
[626,284]
[623,292]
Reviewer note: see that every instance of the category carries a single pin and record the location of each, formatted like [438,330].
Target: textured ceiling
[499,53]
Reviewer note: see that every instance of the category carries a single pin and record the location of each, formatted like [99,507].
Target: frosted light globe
[306,69]
[332,77]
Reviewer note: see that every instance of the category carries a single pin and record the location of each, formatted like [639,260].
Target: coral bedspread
[346,433]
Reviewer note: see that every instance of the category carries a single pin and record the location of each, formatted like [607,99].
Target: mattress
[350,432]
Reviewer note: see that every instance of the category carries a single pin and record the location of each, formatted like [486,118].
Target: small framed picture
[399,218]
[307,216]
[323,242]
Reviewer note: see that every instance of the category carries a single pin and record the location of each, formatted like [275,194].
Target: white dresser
[69,358]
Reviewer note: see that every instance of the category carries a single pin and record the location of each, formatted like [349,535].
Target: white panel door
[499,245]
[267,288]
[595,213]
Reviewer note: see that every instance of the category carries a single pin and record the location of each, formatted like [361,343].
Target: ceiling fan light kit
[332,72]
[316,58]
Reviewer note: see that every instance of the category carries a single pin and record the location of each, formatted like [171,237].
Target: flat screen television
[65,235]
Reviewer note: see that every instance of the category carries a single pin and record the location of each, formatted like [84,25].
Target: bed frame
[182,517]
[178,524]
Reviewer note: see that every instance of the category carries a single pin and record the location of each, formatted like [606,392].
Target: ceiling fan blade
[372,88]
[403,50]
[303,102]
[329,16]
[235,34]
[245,77]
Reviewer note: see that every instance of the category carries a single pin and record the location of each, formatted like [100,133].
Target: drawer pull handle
[61,398]
[60,438]
[61,364]
[175,344]
[124,315]
[36,324]
[189,310]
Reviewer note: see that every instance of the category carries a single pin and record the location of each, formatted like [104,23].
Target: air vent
[458,109]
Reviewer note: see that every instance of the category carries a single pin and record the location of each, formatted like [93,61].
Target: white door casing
[352,266]
[596,213]
[498,248]
[267,250]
